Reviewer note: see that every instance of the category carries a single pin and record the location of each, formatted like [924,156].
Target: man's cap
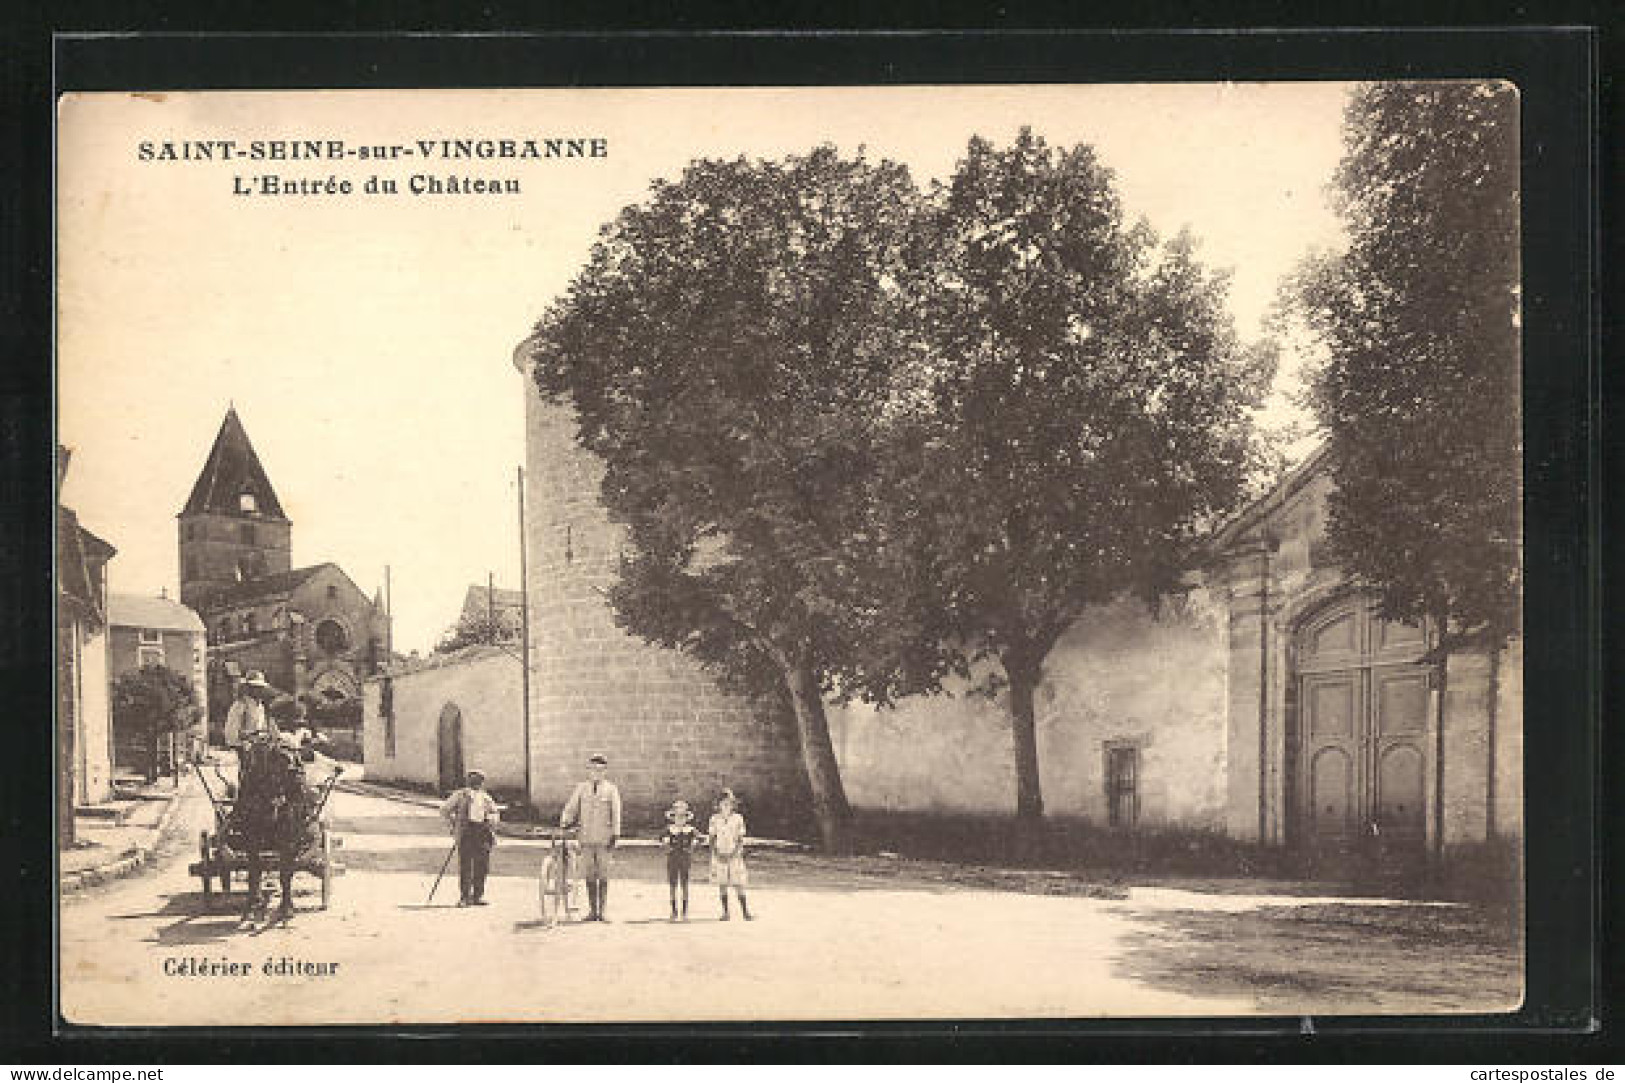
[598,758]
[475,772]
[255,679]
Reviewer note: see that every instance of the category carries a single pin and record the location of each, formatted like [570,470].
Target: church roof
[275,585]
[231,469]
[141,611]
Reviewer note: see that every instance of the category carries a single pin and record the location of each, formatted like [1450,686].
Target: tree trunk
[830,808]
[153,737]
[1024,734]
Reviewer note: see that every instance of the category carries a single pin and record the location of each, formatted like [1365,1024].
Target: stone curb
[132,860]
[528,831]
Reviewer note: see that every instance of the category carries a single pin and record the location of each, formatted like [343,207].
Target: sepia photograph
[817,553]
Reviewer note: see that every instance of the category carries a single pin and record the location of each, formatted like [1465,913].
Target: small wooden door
[1362,733]
[451,748]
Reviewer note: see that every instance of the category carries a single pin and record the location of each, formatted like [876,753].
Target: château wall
[666,728]
[1119,678]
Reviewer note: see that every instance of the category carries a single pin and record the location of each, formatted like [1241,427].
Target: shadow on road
[1345,958]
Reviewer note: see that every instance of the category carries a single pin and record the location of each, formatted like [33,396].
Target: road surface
[831,941]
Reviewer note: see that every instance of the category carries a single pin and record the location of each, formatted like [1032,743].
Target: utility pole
[389,619]
[524,636]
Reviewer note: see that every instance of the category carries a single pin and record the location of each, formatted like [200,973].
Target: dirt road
[832,940]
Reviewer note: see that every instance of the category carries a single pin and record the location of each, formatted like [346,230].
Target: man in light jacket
[247,715]
[596,807]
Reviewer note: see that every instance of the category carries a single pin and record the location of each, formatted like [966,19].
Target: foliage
[155,701]
[1419,390]
[1075,417]
[476,628]
[725,349]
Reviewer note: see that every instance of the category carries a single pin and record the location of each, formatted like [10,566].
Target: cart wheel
[203,864]
[327,868]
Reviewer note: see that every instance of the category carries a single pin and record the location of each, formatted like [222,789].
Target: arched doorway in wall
[1358,734]
[451,747]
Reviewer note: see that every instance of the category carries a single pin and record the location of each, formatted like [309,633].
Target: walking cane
[443,867]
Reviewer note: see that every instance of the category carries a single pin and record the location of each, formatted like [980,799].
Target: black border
[1556,71]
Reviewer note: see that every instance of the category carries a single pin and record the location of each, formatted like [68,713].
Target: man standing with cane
[596,806]
[473,815]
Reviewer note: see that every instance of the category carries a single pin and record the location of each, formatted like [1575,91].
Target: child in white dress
[727,833]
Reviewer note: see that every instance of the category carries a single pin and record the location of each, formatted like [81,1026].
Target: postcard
[804,553]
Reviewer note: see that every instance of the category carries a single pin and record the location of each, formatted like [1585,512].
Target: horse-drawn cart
[226,851]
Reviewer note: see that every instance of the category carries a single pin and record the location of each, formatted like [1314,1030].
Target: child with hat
[679,840]
[727,832]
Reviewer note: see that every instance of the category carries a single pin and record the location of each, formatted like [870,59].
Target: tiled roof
[232,468]
[475,601]
[77,550]
[141,611]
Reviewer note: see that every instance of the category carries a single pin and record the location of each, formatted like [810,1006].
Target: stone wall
[484,684]
[1119,677]
[212,546]
[666,728]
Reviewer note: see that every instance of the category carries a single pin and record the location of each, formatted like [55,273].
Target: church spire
[232,481]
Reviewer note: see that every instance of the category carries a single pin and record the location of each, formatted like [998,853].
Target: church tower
[232,527]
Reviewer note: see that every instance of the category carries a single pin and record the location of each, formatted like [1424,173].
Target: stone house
[501,606]
[83,714]
[146,631]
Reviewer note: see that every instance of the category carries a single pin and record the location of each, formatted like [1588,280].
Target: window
[332,592]
[251,624]
[246,502]
[223,634]
[331,637]
[151,635]
[151,656]
[191,567]
[245,533]
[1122,785]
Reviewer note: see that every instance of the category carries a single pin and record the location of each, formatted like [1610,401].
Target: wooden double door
[1363,752]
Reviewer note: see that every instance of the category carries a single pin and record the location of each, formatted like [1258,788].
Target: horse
[273,816]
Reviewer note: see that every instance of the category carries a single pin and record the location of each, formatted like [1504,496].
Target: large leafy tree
[1076,417]
[154,701]
[1418,392]
[727,349]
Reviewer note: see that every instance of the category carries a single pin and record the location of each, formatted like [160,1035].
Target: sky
[366,340]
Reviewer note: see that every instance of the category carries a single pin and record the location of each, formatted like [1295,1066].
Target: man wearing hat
[473,815]
[247,714]
[596,807]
